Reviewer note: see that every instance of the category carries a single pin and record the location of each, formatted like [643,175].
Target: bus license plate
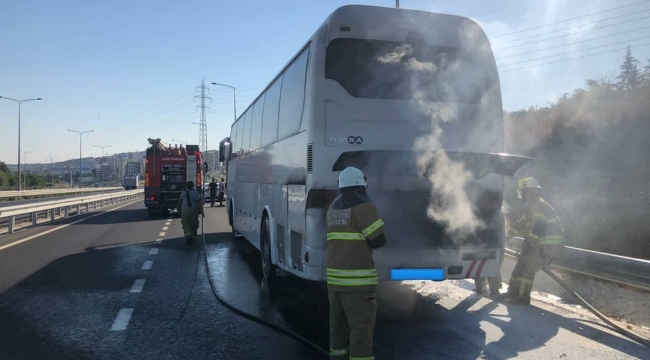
[435,274]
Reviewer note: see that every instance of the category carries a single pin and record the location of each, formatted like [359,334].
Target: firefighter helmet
[526,184]
[351,176]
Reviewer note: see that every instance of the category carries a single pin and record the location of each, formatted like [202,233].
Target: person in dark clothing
[222,191]
[213,191]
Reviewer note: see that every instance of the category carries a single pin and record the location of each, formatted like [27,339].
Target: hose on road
[625,332]
[253,317]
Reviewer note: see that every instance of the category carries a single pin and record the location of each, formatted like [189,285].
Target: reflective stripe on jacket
[543,228]
[351,222]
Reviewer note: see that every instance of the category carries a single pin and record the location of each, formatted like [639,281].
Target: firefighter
[354,230]
[543,239]
[495,282]
[191,206]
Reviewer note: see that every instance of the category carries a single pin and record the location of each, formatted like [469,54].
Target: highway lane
[417,319]
[106,289]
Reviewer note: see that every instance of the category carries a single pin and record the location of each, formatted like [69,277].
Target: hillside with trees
[592,157]
[8,180]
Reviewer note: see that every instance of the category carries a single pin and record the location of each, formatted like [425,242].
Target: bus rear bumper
[426,264]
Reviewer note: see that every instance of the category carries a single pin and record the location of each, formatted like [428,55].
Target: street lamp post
[25,157]
[52,175]
[100,165]
[19,102]
[234,98]
[80,133]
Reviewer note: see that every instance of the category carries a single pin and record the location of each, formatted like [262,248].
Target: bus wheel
[268,269]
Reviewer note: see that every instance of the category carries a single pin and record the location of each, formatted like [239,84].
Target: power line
[565,35]
[573,58]
[575,18]
[591,23]
[573,52]
[573,43]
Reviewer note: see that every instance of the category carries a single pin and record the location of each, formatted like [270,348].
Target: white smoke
[448,178]
[449,203]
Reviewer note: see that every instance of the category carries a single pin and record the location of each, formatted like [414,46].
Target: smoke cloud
[449,203]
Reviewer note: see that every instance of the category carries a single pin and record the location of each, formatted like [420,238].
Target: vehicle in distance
[167,170]
[364,90]
[131,181]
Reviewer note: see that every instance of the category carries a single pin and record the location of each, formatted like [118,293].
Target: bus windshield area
[376,69]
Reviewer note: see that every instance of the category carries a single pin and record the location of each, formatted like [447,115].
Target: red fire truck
[167,170]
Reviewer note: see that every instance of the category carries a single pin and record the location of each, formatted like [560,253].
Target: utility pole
[19,102]
[100,164]
[397,3]
[51,175]
[80,133]
[203,131]
[25,175]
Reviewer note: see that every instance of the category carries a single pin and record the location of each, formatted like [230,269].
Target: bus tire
[268,269]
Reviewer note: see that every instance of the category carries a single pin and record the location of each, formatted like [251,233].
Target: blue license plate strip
[435,274]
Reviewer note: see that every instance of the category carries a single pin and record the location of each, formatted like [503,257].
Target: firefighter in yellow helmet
[543,239]
[354,230]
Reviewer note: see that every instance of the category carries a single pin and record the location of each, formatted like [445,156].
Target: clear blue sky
[128,69]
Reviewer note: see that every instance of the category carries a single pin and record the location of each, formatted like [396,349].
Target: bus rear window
[375,69]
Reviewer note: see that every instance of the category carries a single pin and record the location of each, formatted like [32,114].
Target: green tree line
[9,181]
[592,156]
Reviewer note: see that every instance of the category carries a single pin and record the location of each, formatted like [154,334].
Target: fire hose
[250,316]
[627,333]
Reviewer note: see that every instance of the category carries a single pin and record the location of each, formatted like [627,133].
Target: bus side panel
[247,210]
[297,202]
[280,200]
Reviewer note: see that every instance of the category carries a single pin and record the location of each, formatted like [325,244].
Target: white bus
[360,92]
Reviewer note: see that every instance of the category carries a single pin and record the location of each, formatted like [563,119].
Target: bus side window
[234,138]
[256,127]
[271,108]
[246,133]
[292,97]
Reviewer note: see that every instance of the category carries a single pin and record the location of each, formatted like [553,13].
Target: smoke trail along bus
[361,91]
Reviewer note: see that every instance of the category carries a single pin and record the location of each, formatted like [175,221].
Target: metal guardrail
[608,267]
[50,192]
[11,213]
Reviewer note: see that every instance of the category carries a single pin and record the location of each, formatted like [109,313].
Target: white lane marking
[161,234]
[62,227]
[167,223]
[165,228]
[153,251]
[147,265]
[158,241]
[137,286]
[122,319]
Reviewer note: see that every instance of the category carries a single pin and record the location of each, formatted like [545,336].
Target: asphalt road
[105,288]
[67,295]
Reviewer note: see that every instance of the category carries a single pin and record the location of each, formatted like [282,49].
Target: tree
[629,77]
[646,75]
[4,168]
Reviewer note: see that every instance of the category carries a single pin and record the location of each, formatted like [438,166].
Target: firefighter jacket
[354,229]
[541,228]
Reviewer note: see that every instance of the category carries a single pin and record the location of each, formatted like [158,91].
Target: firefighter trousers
[523,275]
[494,282]
[190,222]
[352,324]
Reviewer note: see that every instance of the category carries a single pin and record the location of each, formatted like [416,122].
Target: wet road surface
[106,288]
